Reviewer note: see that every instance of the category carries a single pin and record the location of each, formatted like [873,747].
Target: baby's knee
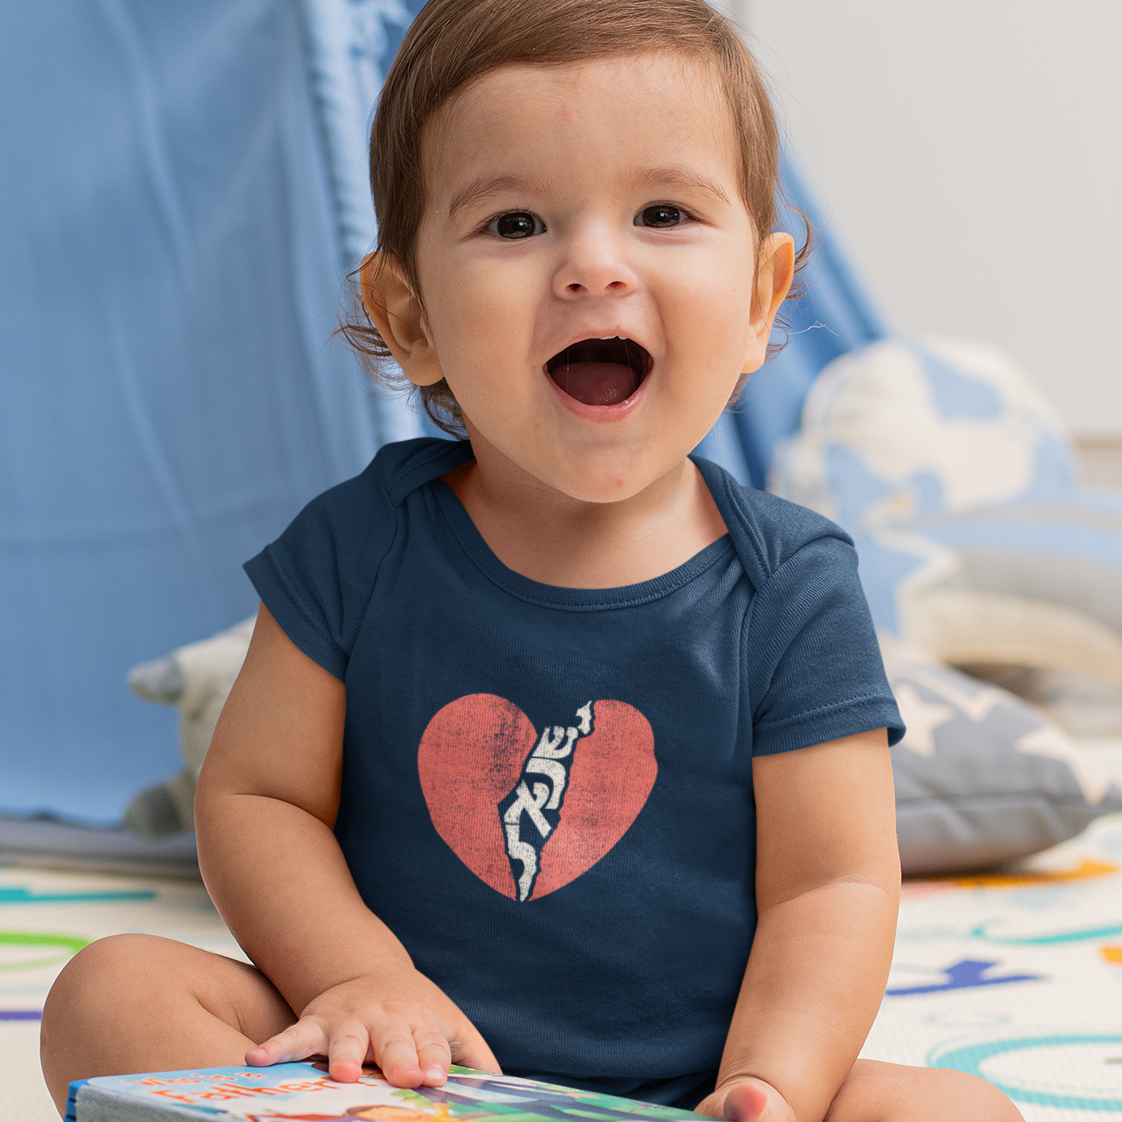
[882,1092]
[100,988]
[107,981]
[967,1098]
[117,960]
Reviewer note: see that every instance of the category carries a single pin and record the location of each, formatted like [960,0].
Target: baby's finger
[347,1051]
[434,1054]
[470,1050]
[305,1038]
[396,1054]
[745,1102]
[751,1100]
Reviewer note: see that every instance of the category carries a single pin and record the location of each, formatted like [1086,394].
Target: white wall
[969,156]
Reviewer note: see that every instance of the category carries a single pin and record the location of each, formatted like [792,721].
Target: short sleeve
[817,672]
[317,578]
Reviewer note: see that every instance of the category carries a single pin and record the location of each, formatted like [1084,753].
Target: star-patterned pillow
[983,777]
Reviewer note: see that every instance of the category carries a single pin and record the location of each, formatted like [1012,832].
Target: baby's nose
[594,265]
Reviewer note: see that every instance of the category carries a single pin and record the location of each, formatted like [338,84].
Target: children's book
[303,1092]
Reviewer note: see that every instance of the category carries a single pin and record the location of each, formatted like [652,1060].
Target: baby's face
[586,265]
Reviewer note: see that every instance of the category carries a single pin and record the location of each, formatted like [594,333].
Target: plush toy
[977,547]
[196,679]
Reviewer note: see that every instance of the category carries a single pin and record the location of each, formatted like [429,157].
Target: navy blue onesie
[547,792]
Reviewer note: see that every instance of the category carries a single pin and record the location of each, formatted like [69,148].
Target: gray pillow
[983,777]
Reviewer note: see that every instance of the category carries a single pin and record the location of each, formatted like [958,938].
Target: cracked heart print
[528,811]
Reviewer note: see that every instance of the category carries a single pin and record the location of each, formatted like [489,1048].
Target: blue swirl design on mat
[969,1058]
[18,894]
[1079,935]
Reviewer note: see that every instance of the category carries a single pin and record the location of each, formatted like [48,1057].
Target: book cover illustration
[303,1092]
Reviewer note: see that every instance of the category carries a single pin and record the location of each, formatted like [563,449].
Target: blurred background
[967,154]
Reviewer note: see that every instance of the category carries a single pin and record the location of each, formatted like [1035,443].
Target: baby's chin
[612,478]
[597,465]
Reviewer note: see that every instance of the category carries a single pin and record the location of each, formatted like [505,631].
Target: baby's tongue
[596,383]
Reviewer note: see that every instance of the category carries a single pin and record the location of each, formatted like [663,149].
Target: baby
[555,749]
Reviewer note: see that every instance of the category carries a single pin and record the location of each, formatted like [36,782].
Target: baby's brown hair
[452,43]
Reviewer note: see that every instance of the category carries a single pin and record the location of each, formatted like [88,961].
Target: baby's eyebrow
[676,176]
[486,186]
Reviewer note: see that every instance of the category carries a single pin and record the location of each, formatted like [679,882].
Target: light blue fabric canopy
[182,191]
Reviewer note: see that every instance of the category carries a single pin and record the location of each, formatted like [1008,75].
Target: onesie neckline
[559,596]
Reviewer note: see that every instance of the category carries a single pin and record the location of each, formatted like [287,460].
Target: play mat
[1017,977]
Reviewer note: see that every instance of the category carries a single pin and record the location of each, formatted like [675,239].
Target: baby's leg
[880,1092]
[134,1003]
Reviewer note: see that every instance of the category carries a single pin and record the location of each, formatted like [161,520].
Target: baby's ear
[774,274]
[396,311]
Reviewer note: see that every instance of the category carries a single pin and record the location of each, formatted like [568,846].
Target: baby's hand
[747,1100]
[404,1024]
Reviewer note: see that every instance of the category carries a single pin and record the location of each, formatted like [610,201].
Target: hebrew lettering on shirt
[530,813]
[577,789]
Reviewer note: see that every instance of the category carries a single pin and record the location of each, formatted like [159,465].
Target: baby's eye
[661,214]
[516,224]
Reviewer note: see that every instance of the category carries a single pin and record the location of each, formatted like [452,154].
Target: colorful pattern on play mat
[1016,977]
[45,917]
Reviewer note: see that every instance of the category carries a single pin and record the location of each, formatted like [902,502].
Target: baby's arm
[827,891]
[265,808]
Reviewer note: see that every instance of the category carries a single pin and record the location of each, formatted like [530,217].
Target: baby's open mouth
[601,371]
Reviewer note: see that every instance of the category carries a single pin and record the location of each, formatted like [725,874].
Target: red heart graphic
[471,757]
